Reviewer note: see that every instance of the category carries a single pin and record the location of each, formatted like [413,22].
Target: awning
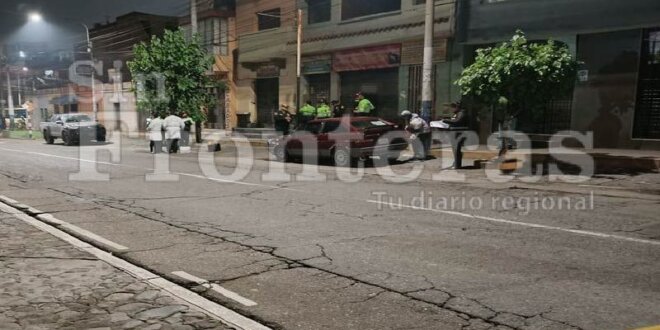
[64,100]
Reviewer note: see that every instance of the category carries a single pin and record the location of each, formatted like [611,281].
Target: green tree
[170,72]
[518,76]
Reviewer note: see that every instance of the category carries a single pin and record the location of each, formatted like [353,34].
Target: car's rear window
[368,124]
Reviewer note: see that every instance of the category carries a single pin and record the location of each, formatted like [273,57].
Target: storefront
[618,95]
[267,90]
[412,58]
[217,114]
[373,71]
[317,71]
[647,111]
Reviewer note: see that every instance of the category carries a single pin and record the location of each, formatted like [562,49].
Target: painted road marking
[7,200]
[197,176]
[110,245]
[517,223]
[206,306]
[215,287]
[465,215]
[657,327]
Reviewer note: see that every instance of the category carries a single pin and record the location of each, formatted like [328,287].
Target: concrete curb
[603,162]
[68,233]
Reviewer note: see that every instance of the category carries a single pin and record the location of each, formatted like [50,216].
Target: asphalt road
[328,254]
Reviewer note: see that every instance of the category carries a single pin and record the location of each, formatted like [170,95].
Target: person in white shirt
[173,125]
[155,129]
[420,134]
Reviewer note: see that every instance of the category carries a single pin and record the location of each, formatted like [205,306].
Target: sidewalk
[45,283]
[606,161]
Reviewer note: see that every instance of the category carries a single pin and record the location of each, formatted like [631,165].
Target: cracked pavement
[319,256]
[47,284]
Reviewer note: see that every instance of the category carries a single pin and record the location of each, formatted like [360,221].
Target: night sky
[61,17]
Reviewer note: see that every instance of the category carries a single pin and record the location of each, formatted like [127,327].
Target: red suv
[343,139]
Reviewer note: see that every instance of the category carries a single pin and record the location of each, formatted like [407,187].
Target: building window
[647,111]
[213,35]
[358,8]
[269,19]
[224,37]
[319,11]
[224,4]
[652,41]
[207,34]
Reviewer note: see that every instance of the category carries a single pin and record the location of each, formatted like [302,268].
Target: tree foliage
[518,76]
[181,66]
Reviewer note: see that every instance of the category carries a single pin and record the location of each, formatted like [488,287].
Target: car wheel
[49,139]
[342,157]
[66,137]
[100,135]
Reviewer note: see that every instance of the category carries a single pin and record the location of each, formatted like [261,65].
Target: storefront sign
[317,66]
[268,71]
[378,57]
[412,52]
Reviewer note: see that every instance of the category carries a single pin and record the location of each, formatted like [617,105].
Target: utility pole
[194,29]
[10,100]
[95,107]
[427,71]
[299,60]
[193,16]
[18,88]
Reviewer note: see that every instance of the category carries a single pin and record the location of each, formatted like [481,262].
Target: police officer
[307,113]
[364,107]
[323,110]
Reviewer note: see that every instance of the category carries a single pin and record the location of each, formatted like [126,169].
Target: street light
[37,17]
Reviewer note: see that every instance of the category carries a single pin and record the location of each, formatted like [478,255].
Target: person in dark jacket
[458,123]
[282,119]
[338,110]
[187,128]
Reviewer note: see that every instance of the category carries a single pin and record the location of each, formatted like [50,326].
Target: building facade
[112,50]
[348,46]
[217,32]
[617,94]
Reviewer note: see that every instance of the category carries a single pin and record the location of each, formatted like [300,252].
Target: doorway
[217,114]
[381,87]
[647,112]
[318,88]
[268,96]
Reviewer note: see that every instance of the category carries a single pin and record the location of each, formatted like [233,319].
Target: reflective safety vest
[365,106]
[323,111]
[308,111]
